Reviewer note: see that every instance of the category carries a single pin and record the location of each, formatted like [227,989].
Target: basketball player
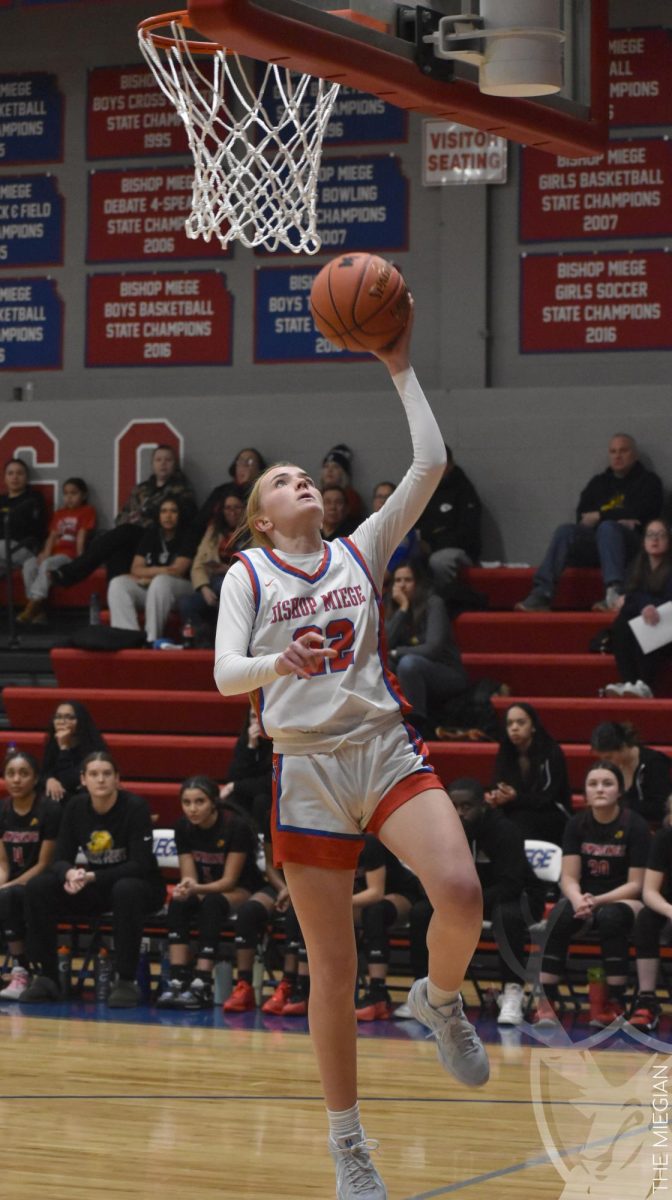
[300,625]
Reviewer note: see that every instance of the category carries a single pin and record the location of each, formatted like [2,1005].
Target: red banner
[640,69]
[136,214]
[168,320]
[577,302]
[128,115]
[624,193]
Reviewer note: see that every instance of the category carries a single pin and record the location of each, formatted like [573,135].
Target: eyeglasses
[247,462]
[659,534]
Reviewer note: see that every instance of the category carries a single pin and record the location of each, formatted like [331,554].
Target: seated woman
[71,737]
[23,516]
[69,529]
[218,872]
[337,521]
[649,585]
[211,562]
[112,828]
[657,911]
[249,779]
[28,829]
[646,772]
[530,781]
[604,854]
[384,893]
[244,470]
[114,548]
[421,649]
[158,575]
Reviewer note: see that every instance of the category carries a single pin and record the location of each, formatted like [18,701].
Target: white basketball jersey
[354,697]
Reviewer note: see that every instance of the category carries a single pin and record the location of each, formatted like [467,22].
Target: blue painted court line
[540,1160]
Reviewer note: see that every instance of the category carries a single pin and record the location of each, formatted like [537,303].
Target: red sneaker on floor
[611,1011]
[545,1013]
[374,1007]
[242,998]
[296,1006]
[645,1016]
[278,1000]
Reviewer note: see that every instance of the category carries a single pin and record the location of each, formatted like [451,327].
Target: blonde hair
[253,510]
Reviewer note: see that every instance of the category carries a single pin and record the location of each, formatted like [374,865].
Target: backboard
[381,47]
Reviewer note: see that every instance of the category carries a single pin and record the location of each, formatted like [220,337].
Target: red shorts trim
[401,793]
[311,849]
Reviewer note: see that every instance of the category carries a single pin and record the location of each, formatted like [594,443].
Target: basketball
[360,302]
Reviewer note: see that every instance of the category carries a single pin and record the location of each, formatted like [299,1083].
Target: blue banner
[357,118]
[31,325]
[283,327]
[31,119]
[31,221]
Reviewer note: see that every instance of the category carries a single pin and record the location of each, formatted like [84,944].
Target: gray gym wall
[529,430]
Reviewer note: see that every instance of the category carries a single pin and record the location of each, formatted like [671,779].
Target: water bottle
[64,970]
[223,980]
[164,970]
[102,975]
[94,609]
[188,635]
[144,973]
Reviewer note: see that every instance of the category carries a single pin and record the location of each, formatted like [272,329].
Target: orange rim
[166,42]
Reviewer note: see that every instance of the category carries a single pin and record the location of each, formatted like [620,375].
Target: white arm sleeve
[235,671]
[381,533]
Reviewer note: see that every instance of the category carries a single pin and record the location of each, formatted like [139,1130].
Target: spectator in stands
[218,872]
[249,780]
[646,772]
[112,828]
[611,514]
[158,575]
[450,526]
[657,911]
[116,547]
[513,897]
[384,893]
[422,651]
[211,561]
[72,736]
[244,470]
[649,585]
[530,781]
[604,854]
[69,530]
[337,472]
[23,516]
[337,521]
[28,829]
[409,549]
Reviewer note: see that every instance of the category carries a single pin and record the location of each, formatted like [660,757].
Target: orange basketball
[360,302]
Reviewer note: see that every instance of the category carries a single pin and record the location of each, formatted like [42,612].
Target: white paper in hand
[650,637]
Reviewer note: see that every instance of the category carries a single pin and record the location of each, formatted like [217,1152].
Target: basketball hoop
[256,142]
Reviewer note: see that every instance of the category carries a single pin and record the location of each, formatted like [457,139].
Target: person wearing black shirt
[112,828]
[384,893]
[531,784]
[159,575]
[23,516]
[450,526]
[604,854]
[646,772]
[28,829]
[244,470]
[71,737]
[649,586]
[657,911]
[611,514]
[218,872]
[249,780]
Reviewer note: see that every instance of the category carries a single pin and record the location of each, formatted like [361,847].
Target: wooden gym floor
[196,1106]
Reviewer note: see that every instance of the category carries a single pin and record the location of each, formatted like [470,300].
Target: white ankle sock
[438,998]
[345,1126]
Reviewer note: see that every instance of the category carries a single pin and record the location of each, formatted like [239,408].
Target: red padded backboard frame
[328,45]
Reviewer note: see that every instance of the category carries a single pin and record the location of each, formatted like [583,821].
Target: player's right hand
[304,656]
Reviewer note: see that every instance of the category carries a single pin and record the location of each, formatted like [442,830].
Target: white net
[256,142]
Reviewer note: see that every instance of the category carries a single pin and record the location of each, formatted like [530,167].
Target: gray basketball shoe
[458,1046]
[356,1176]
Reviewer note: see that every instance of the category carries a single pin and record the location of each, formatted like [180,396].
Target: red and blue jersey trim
[253,577]
[288,569]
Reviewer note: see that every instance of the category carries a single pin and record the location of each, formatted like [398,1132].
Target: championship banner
[283,327]
[587,302]
[356,118]
[31,221]
[139,213]
[625,193]
[453,153]
[128,115]
[181,319]
[31,119]
[31,325]
[640,70]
